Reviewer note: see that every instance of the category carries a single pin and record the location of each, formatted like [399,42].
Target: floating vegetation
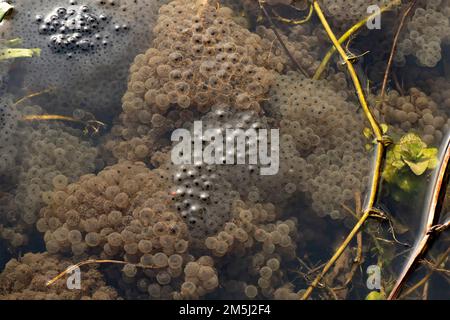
[407,160]
[8,50]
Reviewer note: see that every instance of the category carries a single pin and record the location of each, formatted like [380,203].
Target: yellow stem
[92,261]
[45,117]
[375,127]
[295,22]
[32,95]
[347,35]
[378,160]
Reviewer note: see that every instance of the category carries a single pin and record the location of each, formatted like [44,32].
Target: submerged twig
[44,117]
[347,35]
[32,95]
[394,48]
[295,22]
[93,261]
[431,228]
[380,141]
[427,276]
[359,240]
[93,126]
[277,34]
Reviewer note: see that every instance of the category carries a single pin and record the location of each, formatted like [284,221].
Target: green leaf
[433,163]
[411,138]
[384,128]
[375,295]
[405,184]
[406,161]
[367,133]
[398,164]
[5,9]
[431,154]
[418,167]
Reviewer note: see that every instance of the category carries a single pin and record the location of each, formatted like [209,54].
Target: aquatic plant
[406,159]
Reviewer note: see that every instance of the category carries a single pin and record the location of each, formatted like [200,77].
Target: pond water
[196,149]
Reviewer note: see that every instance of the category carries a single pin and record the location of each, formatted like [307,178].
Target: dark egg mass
[78,28]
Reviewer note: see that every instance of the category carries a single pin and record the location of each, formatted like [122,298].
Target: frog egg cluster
[438,89]
[348,11]
[51,157]
[136,136]
[243,177]
[252,249]
[201,57]
[322,146]
[125,213]
[301,42]
[45,156]
[92,208]
[25,279]
[9,118]
[202,197]
[427,31]
[76,29]
[204,192]
[417,112]
[4,73]
[81,41]
[249,225]
[14,233]
[285,293]
[200,278]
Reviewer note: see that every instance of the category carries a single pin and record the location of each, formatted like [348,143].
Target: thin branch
[90,126]
[359,240]
[277,34]
[394,48]
[373,190]
[347,35]
[431,228]
[94,261]
[427,277]
[32,95]
[295,22]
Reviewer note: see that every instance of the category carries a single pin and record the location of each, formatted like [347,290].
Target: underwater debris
[25,279]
